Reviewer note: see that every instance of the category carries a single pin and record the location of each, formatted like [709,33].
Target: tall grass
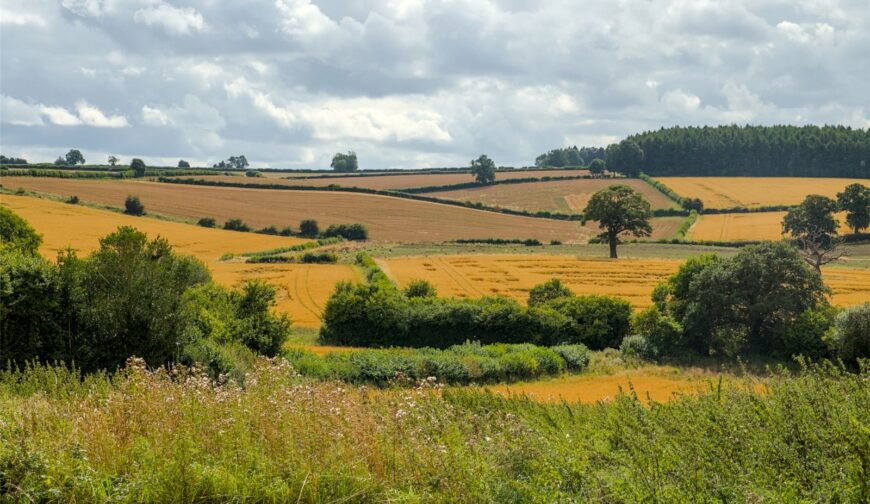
[175,436]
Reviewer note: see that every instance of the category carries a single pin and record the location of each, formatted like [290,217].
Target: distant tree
[132,206]
[138,167]
[113,160]
[183,164]
[548,291]
[345,162]
[253,173]
[483,170]
[238,162]
[420,289]
[309,228]
[347,231]
[814,228]
[17,234]
[693,204]
[626,157]
[73,200]
[60,161]
[597,166]
[11,160]
[619,209]
[855,201]
[74,157]
[236,225]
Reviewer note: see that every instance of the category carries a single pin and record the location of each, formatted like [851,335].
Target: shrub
[287,231]
[662,334]
[309,228]
[138,167]
[253,173]
[73,200]
[637,346]
[132,206]
[548,291]
[805,335]
[208,222]
[850,339]
[596,321]
[269,230]
[420,289]
[319,258]
[16,233]
[356,232]
[236,225]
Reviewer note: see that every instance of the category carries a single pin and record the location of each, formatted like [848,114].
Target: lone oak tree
[814,228]
[619,209]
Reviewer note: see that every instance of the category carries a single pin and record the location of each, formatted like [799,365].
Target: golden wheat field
[744,226]
[750,192]
[565,196]
[471,276]
[392,219]
[302,289]
[391,181]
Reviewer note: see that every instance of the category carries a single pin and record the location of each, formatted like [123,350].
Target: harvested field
[63,225]
[471,276]
[743,226]
[302,288]
[750,192]
[387,218]
[591,388]
[398,181]
[564,196]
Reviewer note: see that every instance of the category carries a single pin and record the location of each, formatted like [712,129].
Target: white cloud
[60,116]
[176,20]
[303,20]
[92,116]
[153,116]
[16,18]
[679,102]
[13,111]
[88,8]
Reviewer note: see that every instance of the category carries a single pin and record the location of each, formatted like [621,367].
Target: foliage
[233,163]
[113,160]
[597,166]
[74,157]
[132,206]
[619,209]
[742,304]
[345,162]
[138,167]
[626,157]
[778,151]
[12,160]
[356,232]
[458,364]
[420,289]
[172,435]
[73,200]
[16,233]
[237,225]
[686,225]
[308,228]
[253,173]
[548,291]
[850,339]
[570,156]
[595,321]
[318,258]
[662,335]
[483,170]
[528,242]
[183,164]
[208,222]
[814,228]
[855,201]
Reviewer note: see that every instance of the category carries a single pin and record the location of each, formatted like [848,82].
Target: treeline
[775,151]
[570,156]
[132,296]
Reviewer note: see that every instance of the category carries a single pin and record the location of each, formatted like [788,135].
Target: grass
[158,436]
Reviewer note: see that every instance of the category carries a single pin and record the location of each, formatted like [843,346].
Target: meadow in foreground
[176,436]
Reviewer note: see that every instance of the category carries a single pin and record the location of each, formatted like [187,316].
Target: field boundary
[473,185]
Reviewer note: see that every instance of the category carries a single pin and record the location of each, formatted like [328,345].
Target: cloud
[10,17]
[175,20]
[60,116]
[17,112]
[153,116]
[92,116]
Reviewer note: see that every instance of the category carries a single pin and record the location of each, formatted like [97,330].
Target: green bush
[661,333]
[237,225]
[548,291]
[208,222]
[420,289]
[318,258]
[309,228]
[73,200]
[850,339]
[637,346]
[16,233]
[356,232]
[132,206]
[596,321]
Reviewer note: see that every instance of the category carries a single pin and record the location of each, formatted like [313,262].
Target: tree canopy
[855,201]
[74,157]
[483,169]
[138,167]
[814,228]
[619,209]
[16,233]
[778,151]
[570,156]
[345,162]
[626,157]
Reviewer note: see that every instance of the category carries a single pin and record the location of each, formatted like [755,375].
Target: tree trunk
[612,238]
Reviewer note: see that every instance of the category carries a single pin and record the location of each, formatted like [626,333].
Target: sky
[413,83]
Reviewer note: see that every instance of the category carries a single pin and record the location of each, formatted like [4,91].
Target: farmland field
[387,218]
[750,192]
[744,226]
[471,276]
[302,289]
[392,181]
[565,196]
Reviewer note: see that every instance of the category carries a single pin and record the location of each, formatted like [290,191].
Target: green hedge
[459,364]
